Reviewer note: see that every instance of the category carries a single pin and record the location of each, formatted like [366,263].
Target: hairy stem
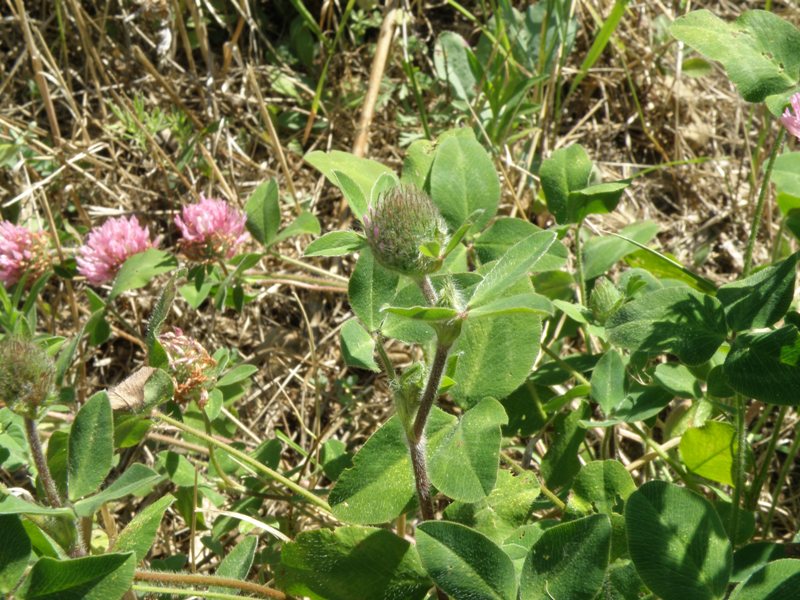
[48,483]
[416,437]
[738,466]
[431,389]
[208,580]
[762,196]
[427,289]
[579,265]
[421,480]
[248,460]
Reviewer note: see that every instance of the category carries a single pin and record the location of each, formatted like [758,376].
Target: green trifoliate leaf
[762,299]
[568,188]
[140,269]
[465,563]
[358,347]
[89,578]
[760,51]
[463,180]
[352,562]
[371,287]
[766,366]
[601,486]
[380,483]
[264,212]
[15,552]
[568,560]
[465,465]
[516,263]
[677,320]
[777,580]
[608,381]
[677,542]
[710,451]
[360,174]
[91,446]
[336,243]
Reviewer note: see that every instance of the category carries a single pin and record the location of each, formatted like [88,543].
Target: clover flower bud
[22,251]
[26,375]
[211,229]
[604,299]
[407,390]
[792,120]
[110,245]
[190,366]
[398,224]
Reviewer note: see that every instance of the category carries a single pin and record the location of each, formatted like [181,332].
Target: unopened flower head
[110,245]
[190,366]
[791,120]
[26,375]
[401,221]
[22,251]
[211,229]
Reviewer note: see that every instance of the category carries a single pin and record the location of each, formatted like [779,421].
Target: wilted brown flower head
[190,366]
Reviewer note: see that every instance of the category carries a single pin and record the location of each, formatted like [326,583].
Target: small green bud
[401,222]
[450,296]
[26,375]
[407,389]
[604,299]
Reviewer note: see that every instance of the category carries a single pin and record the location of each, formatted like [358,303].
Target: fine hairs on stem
[416,437]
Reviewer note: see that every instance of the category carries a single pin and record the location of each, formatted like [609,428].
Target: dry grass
[70,68]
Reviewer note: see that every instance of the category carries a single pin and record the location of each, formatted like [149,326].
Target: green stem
[546,491]
[782,477]
[310,268]
[416,437]
[317,100]
[431,390]
[566,366]
[579,264]
[248,460]
[739,466]
[156,589]
[652,444]
[762,196]
[423,113]
[208,580]
[384,358]
[48,483]
[755,489]
[213,457]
